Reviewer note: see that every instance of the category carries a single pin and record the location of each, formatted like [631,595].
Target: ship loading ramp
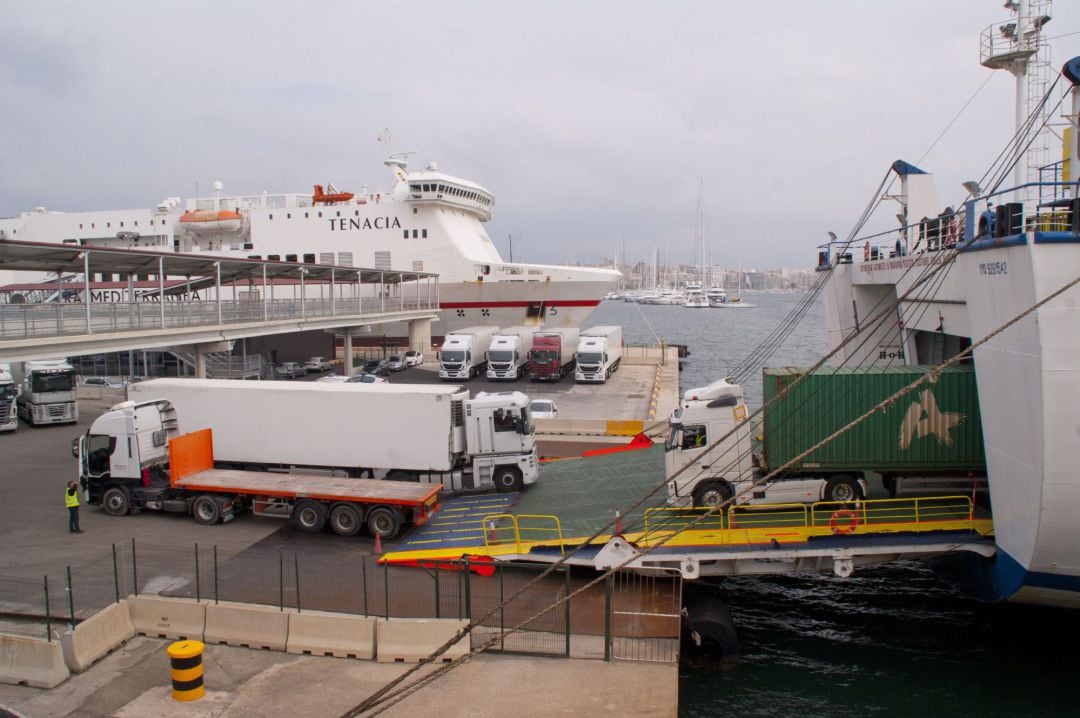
[576,498]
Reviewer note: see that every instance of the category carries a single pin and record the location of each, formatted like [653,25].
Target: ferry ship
[947,279]
[430,221]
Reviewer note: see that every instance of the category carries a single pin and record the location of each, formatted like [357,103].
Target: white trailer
[46,392]
[434,433]
[598,354]
[9,419]
[508,357]
[464,353]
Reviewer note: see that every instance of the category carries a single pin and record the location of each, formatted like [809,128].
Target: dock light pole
[161,287]
[217,282]
[86,288]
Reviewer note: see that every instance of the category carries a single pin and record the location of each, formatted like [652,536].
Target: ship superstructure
[428,221]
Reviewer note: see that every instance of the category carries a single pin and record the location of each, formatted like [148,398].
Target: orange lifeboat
[331,197]
[211,220]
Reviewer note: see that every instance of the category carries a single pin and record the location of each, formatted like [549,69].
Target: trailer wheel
[507,478]
[712,493]
[345,520]
[205,510]
[383,521]
[116,501]
[309,516]
[842,489]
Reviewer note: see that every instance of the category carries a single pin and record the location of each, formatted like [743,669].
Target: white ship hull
[428,222]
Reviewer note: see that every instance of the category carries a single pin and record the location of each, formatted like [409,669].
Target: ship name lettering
[993,268]
[345,223]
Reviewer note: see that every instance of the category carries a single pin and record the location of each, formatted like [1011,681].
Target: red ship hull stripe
[491,305]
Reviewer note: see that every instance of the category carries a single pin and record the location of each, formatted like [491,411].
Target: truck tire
[383,521]
[116,501]
[712,493]
[507,479]
[205,510]
[309,516]
[345,520]
[842,489]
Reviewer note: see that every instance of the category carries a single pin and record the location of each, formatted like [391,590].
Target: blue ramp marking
[457,523]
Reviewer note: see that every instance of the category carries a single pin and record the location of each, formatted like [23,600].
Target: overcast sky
[591,122]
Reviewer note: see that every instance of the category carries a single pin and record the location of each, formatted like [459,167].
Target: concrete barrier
[247,625]
[409,640]
[173,618]
[32,662]
[331,634]
[96,637]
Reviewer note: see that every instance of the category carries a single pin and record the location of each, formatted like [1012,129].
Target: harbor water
[889,641]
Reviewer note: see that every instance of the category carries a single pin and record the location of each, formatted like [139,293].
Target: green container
[935,427]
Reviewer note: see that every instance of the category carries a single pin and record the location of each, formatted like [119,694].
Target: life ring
[837,527]
[866,252]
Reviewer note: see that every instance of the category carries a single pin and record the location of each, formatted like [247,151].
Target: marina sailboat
[695,293]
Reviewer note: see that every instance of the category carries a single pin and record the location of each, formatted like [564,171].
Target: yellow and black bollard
[185,658]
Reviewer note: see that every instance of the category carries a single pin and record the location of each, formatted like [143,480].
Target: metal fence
[609,620]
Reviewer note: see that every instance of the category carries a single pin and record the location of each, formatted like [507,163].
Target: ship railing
[797,522]
[1052,207]
[510,533]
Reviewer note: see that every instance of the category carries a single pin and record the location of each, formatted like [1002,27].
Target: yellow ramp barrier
[616,427]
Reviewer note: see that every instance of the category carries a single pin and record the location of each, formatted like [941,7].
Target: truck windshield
[61,381]
[590,358]
[544,356]
[7,391]
[526,421]
[501,356]
[453,356]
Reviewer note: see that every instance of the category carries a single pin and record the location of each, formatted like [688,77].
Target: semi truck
[508,357]
[46,392]
[464,353]
[9,419]
[598,354]
[430,433]
[553,352]
[930,438]
[134,458]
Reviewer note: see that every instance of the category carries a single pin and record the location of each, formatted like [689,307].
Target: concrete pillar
[349,370]
[200,362]
[420,335]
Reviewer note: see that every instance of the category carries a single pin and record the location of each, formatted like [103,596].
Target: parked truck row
[929,440]
[508,354]
[9,418]
[46,392]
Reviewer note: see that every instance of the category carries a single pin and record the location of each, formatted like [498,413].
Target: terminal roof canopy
[46,257]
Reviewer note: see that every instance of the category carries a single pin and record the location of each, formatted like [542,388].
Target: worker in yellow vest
[71,500]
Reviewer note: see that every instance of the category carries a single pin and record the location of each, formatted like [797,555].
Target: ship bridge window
[290,257]
[309,259]
[273,257]
[415,188]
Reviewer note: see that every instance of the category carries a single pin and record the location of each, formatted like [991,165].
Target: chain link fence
[625,611]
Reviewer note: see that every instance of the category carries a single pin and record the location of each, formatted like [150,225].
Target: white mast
[1014,46]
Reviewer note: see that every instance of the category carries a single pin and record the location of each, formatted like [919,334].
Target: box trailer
[599,354]
[508,357]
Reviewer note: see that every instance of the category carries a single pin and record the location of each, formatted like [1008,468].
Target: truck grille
[452,367]
[57,410]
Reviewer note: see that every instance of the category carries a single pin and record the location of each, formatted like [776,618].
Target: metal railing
[68,319]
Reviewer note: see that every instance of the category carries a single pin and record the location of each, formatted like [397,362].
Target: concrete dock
[134,680]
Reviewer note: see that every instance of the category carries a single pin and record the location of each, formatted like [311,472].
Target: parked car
[289,370]
[103,382]
[333,379]
[317,364]
[396,363]
[413,358]
[543,409]
[378,367]
[366,379]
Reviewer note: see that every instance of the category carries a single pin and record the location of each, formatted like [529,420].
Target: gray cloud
[592,122]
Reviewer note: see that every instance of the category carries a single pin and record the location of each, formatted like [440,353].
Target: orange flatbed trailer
[191,467]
